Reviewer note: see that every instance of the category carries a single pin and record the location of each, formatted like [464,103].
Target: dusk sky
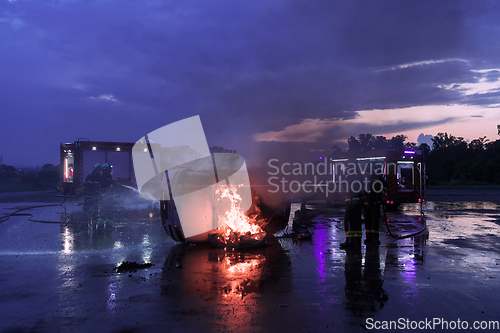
[264,76]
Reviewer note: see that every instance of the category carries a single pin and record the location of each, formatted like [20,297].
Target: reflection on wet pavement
[225,288]
[64,273]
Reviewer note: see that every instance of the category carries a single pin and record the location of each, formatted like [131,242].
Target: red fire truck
[407,180]
[404,173]
[78,158]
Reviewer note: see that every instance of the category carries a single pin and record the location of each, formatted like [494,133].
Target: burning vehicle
[224,213]
[204,195]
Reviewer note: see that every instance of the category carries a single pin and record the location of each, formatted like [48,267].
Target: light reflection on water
[67,240]
[147,249]
[78,234]
[111,302]
[232,281]
[235,280]
[320,252]
[467,229]
[440,206]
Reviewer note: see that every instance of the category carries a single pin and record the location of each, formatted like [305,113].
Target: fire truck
[406,177]
[77,160]
[404,172]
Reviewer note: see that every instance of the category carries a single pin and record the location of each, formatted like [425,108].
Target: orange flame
[235,218]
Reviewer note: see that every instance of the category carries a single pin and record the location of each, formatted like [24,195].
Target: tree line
[13,179]
[450,160]
[456,161]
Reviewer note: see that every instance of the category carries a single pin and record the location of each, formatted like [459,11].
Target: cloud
[14,22]
[377,122]
[297,71]
[483,86]
[106,97]
[423,63]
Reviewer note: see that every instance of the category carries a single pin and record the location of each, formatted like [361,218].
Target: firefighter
[107,190]
[371,208]
[352,217]
[92,192]
[107,177]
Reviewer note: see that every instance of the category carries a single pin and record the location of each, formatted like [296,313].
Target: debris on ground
[299,229]
[131,266]
[225,237]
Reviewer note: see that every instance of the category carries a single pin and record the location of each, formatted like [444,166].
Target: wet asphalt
[58,271]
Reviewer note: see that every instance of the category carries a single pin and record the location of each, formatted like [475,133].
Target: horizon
[426,138]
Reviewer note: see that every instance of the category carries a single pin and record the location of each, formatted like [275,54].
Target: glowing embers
[237,229]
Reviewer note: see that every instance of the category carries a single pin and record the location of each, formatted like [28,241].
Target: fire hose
[16,213]
[405,236]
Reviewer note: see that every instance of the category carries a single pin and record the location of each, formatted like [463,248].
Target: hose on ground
[17,213]
[405,236]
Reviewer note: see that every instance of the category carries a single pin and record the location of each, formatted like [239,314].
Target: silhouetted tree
[379,143]
[397,142]
[336,149]
[452,159]
[48,176]
[354,145]
[368,142]
[478,144]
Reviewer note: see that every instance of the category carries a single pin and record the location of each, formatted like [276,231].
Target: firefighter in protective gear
[352,217]
[371,208]
[107,190]
[107,178]
[92,192]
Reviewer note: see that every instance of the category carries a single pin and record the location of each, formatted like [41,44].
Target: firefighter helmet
[97,165]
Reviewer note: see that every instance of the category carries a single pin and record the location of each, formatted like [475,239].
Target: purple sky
[264,76]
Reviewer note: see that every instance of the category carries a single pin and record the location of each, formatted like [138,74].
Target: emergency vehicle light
[409,152]
[370,158]
[94,148]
